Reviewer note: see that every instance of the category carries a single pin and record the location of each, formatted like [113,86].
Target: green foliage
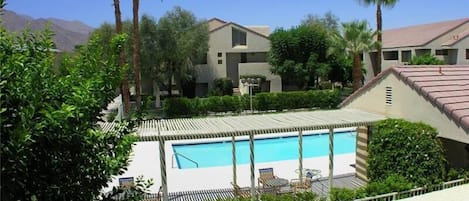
[222,87]
[177,107]
[298,53]
[356,38]
[426,59]
[411,150]
[184,107]
[343,194]
[393,183]
[51,147]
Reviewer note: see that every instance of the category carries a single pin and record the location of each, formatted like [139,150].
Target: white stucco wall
[407,104]
[220,42]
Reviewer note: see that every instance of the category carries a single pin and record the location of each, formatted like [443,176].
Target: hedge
[184,107]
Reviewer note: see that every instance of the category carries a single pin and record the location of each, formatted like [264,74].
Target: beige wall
[220,41]
[260,69]
[409,105]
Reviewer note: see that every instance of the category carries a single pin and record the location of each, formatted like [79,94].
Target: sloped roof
[444,86]
[216,24]
[456,38]
[214,127]
[419,35]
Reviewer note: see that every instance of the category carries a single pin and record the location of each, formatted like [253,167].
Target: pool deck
[145,161]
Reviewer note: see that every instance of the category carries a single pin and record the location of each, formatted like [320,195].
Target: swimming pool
[215,154]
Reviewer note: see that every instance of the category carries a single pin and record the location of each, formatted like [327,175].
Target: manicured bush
[411,150]
[305,196]
[178,107]
[343,194]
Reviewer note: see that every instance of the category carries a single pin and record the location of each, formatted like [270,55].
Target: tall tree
[125,83]
[51,146]
[379,27]
[298,54]
[136,49]
[149,54]
[356,38]
[184,40]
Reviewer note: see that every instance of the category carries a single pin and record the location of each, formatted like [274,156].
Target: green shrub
[411,150]
[177,107]
[222,87]
[393,183]
[343,194]
[426,59]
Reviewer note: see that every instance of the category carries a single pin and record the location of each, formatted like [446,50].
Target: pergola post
[251,149]
[233,145]
[331,157]
[300,155]
[164,182]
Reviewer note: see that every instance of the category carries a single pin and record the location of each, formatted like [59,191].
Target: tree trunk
[136,49]
[379,25]
[170,79]
[156,93]
[357,72]
[125,84]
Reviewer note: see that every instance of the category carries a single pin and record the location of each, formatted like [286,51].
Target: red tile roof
[444,86]
[419,35]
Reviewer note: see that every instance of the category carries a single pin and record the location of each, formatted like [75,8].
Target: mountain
[68,34]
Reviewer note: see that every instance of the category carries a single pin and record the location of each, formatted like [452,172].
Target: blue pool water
[265,150]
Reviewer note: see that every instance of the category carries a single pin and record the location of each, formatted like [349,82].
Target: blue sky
[274,13]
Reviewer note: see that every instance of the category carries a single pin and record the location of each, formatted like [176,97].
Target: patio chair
[265,174]
[301,186]
[241,192]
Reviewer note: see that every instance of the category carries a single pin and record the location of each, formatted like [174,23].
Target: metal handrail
[172,165]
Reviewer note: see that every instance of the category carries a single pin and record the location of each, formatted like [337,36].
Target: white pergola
[250,125]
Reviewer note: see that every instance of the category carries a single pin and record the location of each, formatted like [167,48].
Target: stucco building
[446,40]
[235,50]
[436,95]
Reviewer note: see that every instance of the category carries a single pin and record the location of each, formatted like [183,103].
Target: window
[467,53]
[388,95]
[220,54]
[244,58]
[220,61]
[443,52]
[238,37]
[406,56]
[391,55]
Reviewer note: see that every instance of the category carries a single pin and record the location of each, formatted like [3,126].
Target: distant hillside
[68,34]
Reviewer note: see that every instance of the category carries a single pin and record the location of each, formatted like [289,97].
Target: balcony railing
[415,191]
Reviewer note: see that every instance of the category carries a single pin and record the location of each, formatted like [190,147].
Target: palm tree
[125,83]
[379,27]
[136,42]
[356,38]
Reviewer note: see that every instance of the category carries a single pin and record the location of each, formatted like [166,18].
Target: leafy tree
[148,52]
[52,147]
[184,40]
[121,60]
[379,27]
[356,38]
[426,60]
[330,21]
[135,53]
[411,150]
[298,54]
